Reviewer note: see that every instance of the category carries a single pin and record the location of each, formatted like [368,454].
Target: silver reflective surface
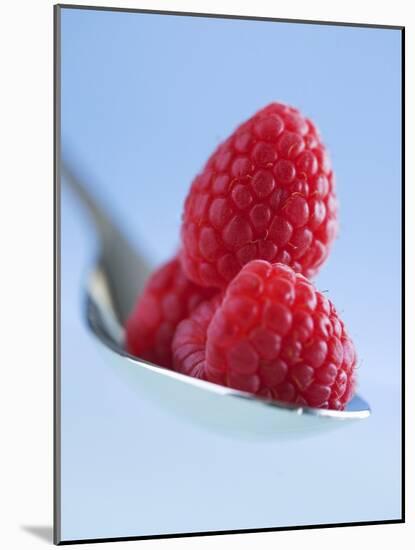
[110,293]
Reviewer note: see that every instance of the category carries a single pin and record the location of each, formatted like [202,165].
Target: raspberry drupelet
[267,192]
[167,298]
[189,350]
[273,334]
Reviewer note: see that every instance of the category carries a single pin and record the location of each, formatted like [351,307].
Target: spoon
[111,290]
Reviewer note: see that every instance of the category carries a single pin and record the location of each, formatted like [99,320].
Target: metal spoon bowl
[113,285]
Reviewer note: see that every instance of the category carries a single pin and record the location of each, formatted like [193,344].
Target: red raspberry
[273,335]
[190,339]
[267,193]
[167,298]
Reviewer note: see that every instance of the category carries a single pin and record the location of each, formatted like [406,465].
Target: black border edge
[227,16]
[232,532]
[57,275]
[56,285]
[403,176]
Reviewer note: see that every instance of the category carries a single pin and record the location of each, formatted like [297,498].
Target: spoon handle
[125,268]
[100,218]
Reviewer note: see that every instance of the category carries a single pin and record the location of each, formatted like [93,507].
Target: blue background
[145,99]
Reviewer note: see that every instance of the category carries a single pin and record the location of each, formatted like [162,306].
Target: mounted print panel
[229,266]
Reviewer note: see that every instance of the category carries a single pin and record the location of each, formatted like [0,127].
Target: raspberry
[274,335]
[167,298]
[267,192]
[190,338]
